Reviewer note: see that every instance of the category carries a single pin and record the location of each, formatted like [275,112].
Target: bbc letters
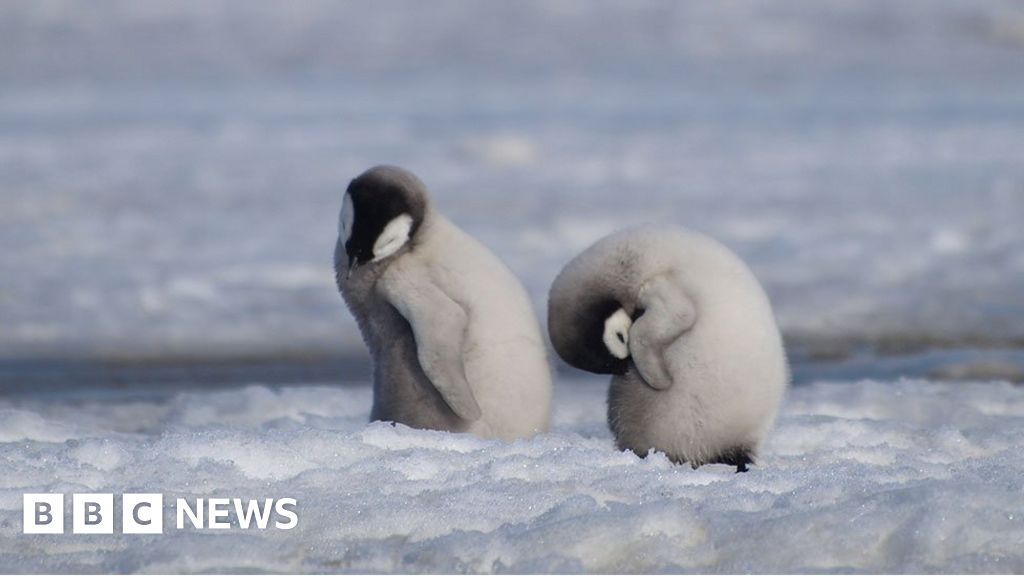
[144,514]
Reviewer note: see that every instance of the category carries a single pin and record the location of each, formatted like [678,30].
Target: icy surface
[870,476]
[170,173]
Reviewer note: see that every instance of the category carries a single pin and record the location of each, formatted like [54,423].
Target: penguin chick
[688,334]
[454,340]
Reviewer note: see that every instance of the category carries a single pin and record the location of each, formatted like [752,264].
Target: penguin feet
[738,457]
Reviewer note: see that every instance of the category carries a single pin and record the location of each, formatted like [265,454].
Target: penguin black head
[594,337]
[382,211]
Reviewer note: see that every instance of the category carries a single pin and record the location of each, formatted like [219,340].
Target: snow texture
[911,476]
[171,173]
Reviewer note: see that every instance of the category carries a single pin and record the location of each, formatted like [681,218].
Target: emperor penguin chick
[454,339]
[698,364]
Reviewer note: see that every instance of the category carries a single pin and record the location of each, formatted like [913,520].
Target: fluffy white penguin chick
[689,335]
[455,342]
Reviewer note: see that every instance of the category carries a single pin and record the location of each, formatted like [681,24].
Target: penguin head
[593,336]
[382,210]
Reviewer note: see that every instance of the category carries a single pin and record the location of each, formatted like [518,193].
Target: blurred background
[171,173]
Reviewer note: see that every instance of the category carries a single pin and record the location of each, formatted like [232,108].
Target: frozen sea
[170,177]
[171,174]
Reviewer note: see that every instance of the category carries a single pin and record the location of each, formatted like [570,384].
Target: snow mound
[870,476]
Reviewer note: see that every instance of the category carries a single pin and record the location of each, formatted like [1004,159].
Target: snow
[891,476]
[170,175]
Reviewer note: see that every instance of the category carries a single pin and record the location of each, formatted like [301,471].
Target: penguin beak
[353,263]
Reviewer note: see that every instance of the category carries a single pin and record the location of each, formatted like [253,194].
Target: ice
[891,476]
[170,175]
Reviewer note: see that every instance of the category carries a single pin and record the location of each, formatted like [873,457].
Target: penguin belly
[719,409]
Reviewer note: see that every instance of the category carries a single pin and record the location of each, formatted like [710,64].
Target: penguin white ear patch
[393,237]
[616,334]
[346,219]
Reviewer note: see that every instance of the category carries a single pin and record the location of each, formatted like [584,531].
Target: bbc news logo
[144,513]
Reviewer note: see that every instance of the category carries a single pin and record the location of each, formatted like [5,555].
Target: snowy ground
[905,476]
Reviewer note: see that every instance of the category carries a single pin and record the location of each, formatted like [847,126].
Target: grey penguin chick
[454,339]
[699,369]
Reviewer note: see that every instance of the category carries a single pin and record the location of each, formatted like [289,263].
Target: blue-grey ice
[170,174]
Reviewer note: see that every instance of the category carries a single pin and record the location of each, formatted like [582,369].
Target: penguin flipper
[668,314]
[439,327]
